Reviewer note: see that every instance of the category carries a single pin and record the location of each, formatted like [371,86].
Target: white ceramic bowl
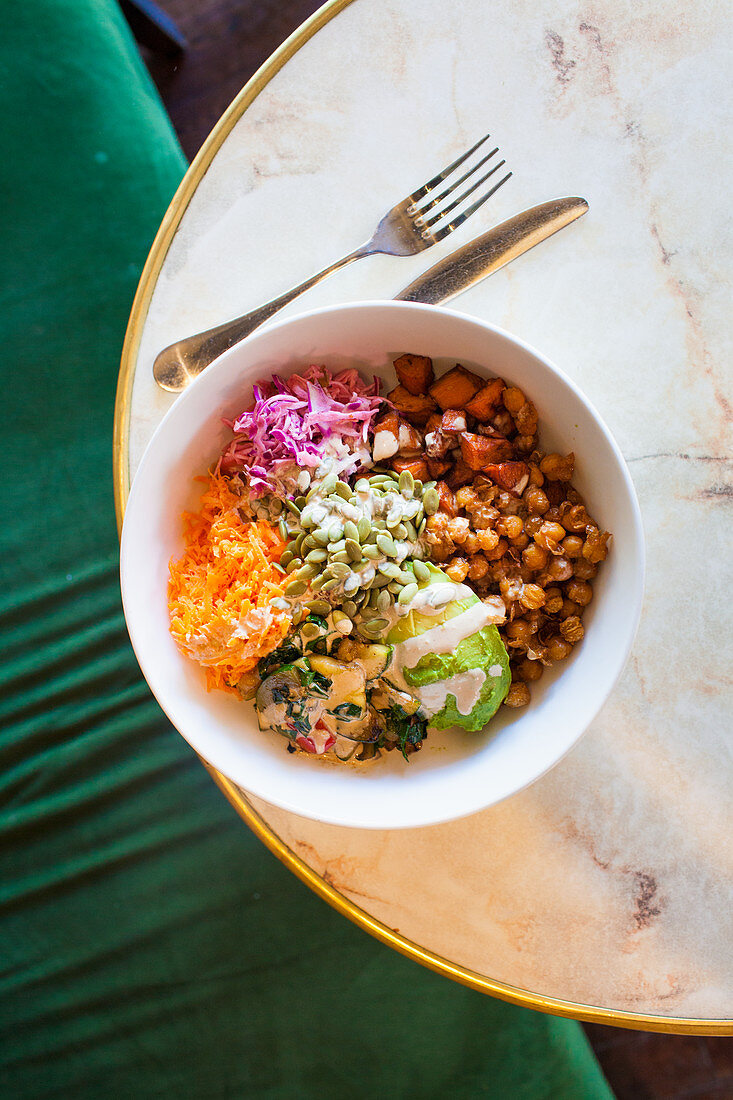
[455,773]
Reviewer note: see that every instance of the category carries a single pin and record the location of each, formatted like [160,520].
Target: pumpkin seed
[389,569]
[351,531]
[343,624]
[383,600]
[399,532]
[276,506]
[335,532]
[318,607]
[408,593]
[406,483]
[371,551]
[279,567]
[405,577]
[362,485]
[306,573]
[394,587]
[329,585]
[353,549]
[300,502]
[392,520]
[298,544]
[421,528]
[351,586]
[428,485]
[376,626]
[410,530]
[316,555]
[359,566]
[422,573]
[418,487]
[349,608]
[283,529]
[431,502]
[339,569]
[386,545]
[295,588]
[309,543]
[378,480]
[334,547]
[286,557]
[373,597]
[320,536]
[328,484]
[341,555]
[363,528]
[343,490]
[293,565]
[317,584]
[380,581]
[310,631]
[293,508]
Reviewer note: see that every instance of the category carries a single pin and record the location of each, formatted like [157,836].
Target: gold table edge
[237,798]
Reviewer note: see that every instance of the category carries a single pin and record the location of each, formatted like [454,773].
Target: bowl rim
[636,595]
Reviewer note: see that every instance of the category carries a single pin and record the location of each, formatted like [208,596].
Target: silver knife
[480,257]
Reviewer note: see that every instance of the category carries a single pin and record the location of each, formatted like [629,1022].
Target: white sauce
[465,686]
[445,637]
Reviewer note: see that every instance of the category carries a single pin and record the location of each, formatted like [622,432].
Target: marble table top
[608,882]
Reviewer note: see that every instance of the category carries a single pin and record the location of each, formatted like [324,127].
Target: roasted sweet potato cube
[438,467]
[484,404]
[418,467]
[512,476]
[454,420]
[447,499]
[414,407]
[455,389]
[414,372]
[480,450]
[410,439]
[461,474]
[433,422]
[386,436]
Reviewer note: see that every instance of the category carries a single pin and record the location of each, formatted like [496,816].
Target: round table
[602,891]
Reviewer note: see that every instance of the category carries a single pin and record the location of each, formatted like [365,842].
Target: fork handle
[177,364]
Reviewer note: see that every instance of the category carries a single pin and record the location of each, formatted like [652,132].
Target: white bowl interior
[456,773]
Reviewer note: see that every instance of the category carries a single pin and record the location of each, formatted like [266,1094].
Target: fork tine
[469,190]
[452,186]
[446,172]
[441,233]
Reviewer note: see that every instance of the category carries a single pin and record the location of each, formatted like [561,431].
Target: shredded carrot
[220,591]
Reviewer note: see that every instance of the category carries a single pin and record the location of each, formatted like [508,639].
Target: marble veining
[609,880]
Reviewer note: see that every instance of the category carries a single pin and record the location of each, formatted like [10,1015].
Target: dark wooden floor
[227,41]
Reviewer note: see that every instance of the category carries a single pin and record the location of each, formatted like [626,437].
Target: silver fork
[403,231]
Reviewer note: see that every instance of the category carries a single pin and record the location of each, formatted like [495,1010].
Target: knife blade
[481,257]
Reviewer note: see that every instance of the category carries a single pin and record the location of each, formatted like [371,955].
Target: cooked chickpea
[532,596]
[536,500]
[518,695]
[570,608]
[503,422]
[560,569]
[579,591]
[585,570]
[557,467]
[572,547]
[529,671]
[549,535]
[457,570]
[478,567]
[487,540]
[513,399]
[532,525]
[466,496]
[558,649]
[595,548]
[536,477]
[553,600]
[518,633]
[521,541]
[510,588]
[576,518]
[535,557]
[483,516]
[511,526]
[524,443]
[498,551]
[526,420]
[572,629]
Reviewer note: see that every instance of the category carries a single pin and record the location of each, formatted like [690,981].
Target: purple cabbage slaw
[296,422]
